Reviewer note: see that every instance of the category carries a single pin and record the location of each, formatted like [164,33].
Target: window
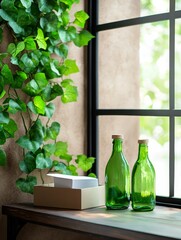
[135,86]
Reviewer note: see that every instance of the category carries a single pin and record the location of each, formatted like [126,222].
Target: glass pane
[177,157]
[154,128]
[177,64]
[178,5]
[133,61]
[111,11]
[154,66]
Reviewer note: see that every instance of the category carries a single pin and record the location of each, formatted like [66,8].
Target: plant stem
[41,176]
[24,124]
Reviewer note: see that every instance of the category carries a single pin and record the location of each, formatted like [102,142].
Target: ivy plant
[41,30]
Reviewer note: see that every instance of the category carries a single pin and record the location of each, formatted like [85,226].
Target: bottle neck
[117,145]
[143,151]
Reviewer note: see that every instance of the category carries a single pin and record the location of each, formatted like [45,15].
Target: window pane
[178,4]
[133,61]
[154,128]
[154,61]
[150,7]
[177,157]
[109,11]
[177,64]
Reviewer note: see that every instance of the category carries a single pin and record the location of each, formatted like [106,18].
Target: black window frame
[94,112]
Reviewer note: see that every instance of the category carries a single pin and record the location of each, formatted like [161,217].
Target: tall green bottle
[143,180]
[117,177]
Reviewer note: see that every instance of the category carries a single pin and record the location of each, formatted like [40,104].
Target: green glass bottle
[117,177]
[143,180]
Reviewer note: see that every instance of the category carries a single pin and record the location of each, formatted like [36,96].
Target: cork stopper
[116,136]
[143,141]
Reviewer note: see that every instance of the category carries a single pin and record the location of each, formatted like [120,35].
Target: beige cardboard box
[49,196]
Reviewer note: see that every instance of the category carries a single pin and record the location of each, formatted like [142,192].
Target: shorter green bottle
[143,181]
[117,177]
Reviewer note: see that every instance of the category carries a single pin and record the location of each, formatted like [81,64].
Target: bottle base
[142,209]
[116,207]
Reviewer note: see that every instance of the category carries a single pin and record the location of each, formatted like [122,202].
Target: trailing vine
[41,30]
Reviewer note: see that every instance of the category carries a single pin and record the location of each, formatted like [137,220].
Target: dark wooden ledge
[162,223]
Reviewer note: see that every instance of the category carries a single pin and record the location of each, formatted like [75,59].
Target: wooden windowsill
[161,223]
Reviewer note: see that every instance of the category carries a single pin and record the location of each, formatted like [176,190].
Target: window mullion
[172,99]
[92,136]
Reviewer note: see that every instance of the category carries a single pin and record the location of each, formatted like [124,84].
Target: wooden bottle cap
[144,141]
[116,136]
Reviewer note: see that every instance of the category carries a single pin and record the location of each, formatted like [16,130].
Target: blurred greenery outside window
[159,87]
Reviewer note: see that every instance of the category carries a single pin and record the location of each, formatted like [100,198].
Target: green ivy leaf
[20,47]
[11,48]
[66,82]
[2,57]
[39,104]
[32,88]
[15,50]
[45,6]
[16,105]
[10,128]
[49,110]
[43,162]
[50,93]
[2,136]
[35,86]
[73,170]
[69,3]
[30,44]
[62,151]
[28,164]
[12,23]
[2,92]
[53,66]
[23,167]
[83,38]
[41,41]
[67,35]
[27,64]
[4,117]
[26,184]
[41,80]
[53,131]
[62,168]
[69,67]
[37,132]
[26,143]
[19,79]
[61,148]
[49,22]
[3,157]
[65,18]
[49,149]
[26,3]
[62,51]
[70,94]
[92,175]
[84,162]
[32,107]
[80,18]
[7,74]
